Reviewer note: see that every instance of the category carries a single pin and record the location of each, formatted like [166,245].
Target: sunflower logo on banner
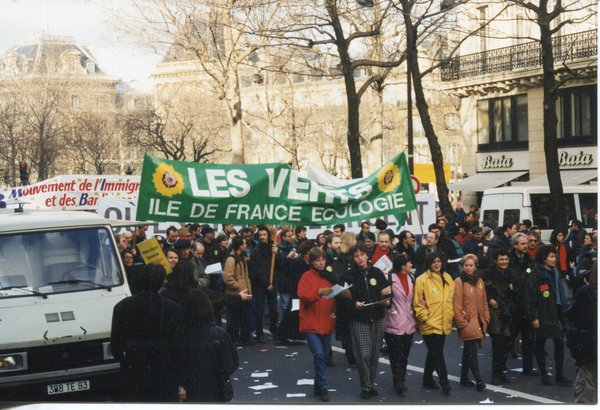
[388,178]
[167,181]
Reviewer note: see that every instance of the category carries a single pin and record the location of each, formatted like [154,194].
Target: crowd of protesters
[373,290]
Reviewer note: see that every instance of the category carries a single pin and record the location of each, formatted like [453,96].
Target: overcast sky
[88,21]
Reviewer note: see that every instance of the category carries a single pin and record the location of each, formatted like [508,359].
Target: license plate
[70,387]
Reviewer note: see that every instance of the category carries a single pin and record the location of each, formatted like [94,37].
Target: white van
[516,203]
[60,277]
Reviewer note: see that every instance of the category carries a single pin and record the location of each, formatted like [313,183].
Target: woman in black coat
[499,288]
[546,301]
[210,355]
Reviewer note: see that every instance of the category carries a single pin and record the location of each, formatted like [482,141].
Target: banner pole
[273,231]
[420,223]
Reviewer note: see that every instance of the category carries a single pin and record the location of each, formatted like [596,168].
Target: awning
[570,177]
[484,180]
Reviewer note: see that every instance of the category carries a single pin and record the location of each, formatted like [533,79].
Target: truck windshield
[61,261]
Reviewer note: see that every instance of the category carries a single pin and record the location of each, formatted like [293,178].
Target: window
[503,121]
[540,209]
[512,216]
[576,109]
[91,67]
[490,218]
[589,207]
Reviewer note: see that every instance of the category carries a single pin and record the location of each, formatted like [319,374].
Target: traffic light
[23,173]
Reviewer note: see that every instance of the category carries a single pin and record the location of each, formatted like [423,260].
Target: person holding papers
[370,298]
[317,316]
[383,248]
[399,325]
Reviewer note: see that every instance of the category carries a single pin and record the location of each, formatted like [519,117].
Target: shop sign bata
[266,194]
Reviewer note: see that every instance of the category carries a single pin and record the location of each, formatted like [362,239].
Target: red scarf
[562,257]
[378,254]
[403,281]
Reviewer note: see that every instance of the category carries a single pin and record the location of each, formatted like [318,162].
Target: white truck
[515,203]
[60,277]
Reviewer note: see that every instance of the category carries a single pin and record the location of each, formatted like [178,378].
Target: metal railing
[527,55]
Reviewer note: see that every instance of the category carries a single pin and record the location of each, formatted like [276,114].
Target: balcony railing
[527,55]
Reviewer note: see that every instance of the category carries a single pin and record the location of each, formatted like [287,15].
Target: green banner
[176,191]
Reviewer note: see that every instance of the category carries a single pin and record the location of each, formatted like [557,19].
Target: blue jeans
[319,346]
[284,301]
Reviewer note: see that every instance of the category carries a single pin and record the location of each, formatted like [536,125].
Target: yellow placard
[426,174]
[152,253]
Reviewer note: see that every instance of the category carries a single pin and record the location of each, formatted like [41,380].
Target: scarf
[562,257]
[470,279]
[379,253]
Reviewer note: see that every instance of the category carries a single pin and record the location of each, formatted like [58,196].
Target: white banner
[72,192]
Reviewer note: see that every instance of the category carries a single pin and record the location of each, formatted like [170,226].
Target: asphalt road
[284,375]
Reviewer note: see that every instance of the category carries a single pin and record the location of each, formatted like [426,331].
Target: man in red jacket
[317,316]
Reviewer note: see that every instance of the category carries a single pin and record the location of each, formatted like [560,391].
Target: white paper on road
[384,263]
[267,385]
[295,395]
[263,374]
[295,304]
[337,289]
[418,342]
[486,401]
[305,382]
[214,269]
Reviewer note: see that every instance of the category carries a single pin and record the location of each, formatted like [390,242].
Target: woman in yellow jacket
[434,290]
[471,315]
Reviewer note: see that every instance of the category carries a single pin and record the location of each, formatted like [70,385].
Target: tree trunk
[557,209]
[235,109]
[421,103]
[353,127]
[232,85]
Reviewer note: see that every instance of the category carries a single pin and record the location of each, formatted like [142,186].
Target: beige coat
[471,313]
[235,276]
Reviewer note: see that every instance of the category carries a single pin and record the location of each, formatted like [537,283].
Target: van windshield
[62,261]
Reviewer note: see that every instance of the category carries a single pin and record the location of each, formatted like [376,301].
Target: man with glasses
[406,244]
[533,243]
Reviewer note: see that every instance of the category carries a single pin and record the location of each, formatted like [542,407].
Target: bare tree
[12,149]
[424,19]
[551,17]
[44,124]
[93,142]
[209,33]
[334,28]
[170,134]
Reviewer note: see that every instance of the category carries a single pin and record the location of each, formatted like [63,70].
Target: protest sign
[267,194]
[152,253]
[72,192]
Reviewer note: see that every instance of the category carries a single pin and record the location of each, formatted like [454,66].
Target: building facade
[498,78]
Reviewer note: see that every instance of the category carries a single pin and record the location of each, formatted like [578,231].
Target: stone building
[498,78]
[58,80]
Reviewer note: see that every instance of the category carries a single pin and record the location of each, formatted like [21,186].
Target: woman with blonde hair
[348,239]
[471,316]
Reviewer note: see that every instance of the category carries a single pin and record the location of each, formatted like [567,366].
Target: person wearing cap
[161,241]
[475,245]
[208,240]
[183,245]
